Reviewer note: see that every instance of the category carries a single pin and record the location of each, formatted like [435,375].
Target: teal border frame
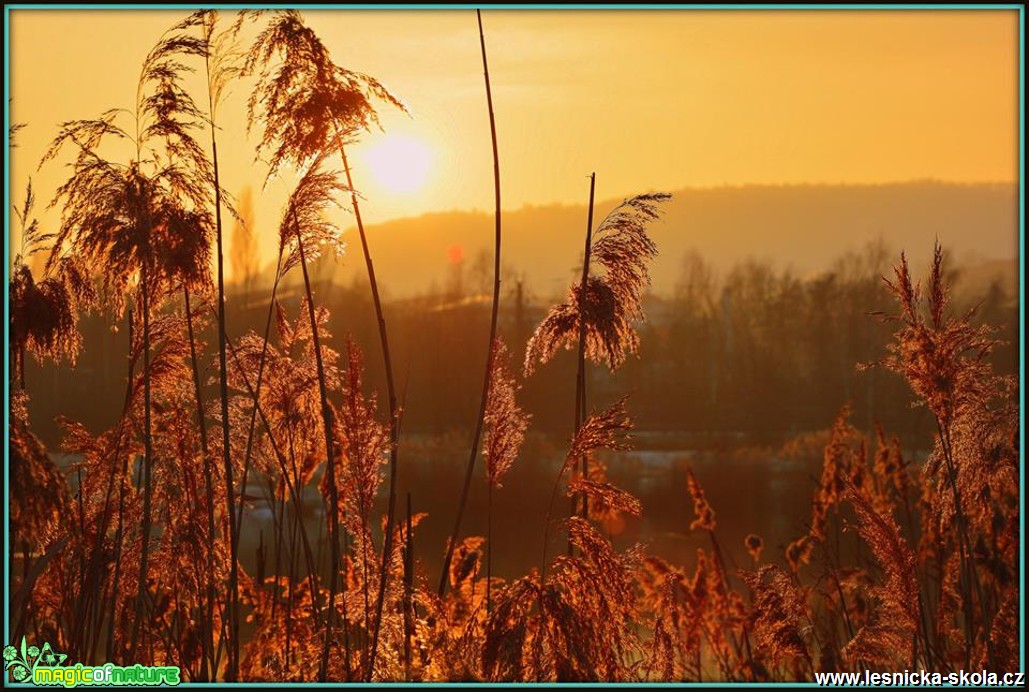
[520,6]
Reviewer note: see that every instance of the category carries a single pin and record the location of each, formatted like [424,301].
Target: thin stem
[580,376]
[408,593]
[257,389]
[489,547]
[223,385]
[148,450]
[491,353]
[121,505]
[208,639]
[330,464]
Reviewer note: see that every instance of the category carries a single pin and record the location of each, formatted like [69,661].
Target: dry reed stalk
[491,353]
[296,131]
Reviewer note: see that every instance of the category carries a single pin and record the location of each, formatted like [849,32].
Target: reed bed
[132,556]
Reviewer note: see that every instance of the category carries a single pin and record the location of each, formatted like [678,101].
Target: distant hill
[804,227]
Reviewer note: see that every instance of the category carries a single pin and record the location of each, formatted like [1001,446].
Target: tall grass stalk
[491,345]
[148,460]
[580,375]
[251,426]
[330,455]
[408,592]
[233,662]
[118,533]
[208,639]
[308,104]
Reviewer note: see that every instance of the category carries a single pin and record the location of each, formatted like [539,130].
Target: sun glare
[399,163]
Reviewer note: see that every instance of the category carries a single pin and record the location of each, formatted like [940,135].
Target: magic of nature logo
[44,666]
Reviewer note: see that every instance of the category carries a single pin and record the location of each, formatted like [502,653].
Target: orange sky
[647,99]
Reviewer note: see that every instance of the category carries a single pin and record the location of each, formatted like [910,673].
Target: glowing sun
[399,163]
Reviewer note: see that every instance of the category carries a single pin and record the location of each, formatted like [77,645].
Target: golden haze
[648,99]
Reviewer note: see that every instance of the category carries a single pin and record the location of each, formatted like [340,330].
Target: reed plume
[612,302]
[364,448]
[303,100]
[945,361]
[705,513]
[893,633]
[779,609]
[505,421]
[44,314]
[505,424]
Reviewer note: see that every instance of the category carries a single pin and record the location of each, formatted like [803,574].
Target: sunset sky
[647,99]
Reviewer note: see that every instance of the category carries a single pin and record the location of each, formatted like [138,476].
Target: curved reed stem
[491,353]
[580,376]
